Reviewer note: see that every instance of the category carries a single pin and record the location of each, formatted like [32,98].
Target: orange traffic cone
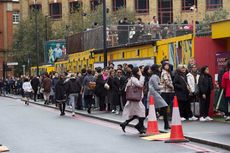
[176,135]
[152,127]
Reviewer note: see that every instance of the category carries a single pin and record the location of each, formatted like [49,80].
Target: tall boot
[140,126]
[165,117]
[124,124]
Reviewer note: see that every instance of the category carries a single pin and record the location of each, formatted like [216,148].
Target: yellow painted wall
[221,29]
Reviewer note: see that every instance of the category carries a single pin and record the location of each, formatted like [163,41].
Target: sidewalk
[210,133]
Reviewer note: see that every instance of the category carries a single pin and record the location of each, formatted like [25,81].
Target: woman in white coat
[135,110]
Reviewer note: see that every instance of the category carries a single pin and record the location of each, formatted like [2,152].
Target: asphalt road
[36,129]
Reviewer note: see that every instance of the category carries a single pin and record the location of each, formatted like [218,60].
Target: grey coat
[154,90]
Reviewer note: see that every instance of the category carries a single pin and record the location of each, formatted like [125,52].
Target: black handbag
[134,93]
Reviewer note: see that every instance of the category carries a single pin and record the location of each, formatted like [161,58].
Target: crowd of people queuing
[105,90]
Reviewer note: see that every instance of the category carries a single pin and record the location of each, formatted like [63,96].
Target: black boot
[140,126]
[165,117]
[123,125]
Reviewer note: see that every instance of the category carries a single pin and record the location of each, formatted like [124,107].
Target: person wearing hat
[167,92]
[154,90]
[73,88]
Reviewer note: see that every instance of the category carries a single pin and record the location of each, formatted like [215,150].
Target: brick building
[9,18]
[165,10]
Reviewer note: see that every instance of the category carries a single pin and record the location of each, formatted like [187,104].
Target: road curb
[193,139]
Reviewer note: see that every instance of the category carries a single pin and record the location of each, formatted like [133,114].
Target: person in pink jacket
[226,86]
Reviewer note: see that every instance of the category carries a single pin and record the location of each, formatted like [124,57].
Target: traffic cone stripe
[152,119]
[176,120]
[151,116]
[176,127]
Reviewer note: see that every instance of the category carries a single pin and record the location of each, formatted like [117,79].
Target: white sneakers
[202,119]
[193,118]
[183,119]
[227,118]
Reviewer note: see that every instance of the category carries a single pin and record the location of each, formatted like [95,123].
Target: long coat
[134,108]
[154,90]
[180,86]
[114,84]
[60,89]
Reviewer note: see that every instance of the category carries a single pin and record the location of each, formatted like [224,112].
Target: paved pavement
[37,129]
[210,133]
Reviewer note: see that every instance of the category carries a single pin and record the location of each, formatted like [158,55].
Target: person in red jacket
[226,86]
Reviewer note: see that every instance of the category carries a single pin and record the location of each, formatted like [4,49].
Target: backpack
[92,84]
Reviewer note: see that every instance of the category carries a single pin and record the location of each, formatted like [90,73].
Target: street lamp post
[104,33]
[193,8]
[36,31]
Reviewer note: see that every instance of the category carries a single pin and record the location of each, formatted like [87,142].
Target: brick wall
[178,14]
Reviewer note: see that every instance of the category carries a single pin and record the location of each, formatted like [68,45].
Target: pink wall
[205,54]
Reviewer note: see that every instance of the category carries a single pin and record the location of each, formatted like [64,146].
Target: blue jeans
[72,100]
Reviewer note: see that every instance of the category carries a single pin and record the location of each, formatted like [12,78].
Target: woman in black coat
[100,90]
[205,86]
[182,91]
[114,85]
[60,94]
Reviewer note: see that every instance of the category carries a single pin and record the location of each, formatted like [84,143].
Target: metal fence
[119,35]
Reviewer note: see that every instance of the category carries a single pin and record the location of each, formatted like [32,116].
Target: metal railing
[120,35]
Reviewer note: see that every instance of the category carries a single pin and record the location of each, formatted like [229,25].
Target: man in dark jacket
[35,83]
[60,94]
[54,83]
[73,88]
[122,85]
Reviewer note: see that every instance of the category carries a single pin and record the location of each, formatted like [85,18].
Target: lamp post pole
[36,31]
[194,21]
[104,34]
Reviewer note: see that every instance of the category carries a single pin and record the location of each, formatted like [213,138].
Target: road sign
[12,63]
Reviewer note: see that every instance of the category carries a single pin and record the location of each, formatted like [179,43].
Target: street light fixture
[104,33]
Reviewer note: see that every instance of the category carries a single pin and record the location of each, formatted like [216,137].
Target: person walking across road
[73,88]
[35,84]
[46,84]
[27,90]
[60,94]
[135,110]
[154,90]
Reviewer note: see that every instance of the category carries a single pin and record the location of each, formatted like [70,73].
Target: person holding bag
[134,108]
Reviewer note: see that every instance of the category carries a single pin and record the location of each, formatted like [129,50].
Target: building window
[56,10]
[35,7]
[16,17]
[214,4]
[142,6]
[118,4]
[75,6]
[187,4]
[165,11]
[94,4]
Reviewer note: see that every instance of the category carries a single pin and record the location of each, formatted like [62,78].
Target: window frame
[71,7]
[93,6]
[114,5]
[211,7]
[56,16]
[185,8]
[16,17]
[35,6]
[142,11]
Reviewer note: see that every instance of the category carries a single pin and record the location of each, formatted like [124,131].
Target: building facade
[167,11]
[9,18]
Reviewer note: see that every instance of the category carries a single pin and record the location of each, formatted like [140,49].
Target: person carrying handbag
[134,108]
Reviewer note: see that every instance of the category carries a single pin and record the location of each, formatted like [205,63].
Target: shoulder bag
[133,93]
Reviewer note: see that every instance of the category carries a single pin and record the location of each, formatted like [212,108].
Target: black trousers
[227,100]
[185,109]
[35,94]
[102,104]
[62,107]
[88,100]
[204,106]
[168,97]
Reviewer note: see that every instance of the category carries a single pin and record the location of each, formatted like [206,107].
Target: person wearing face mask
[182,91]
[205,86]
